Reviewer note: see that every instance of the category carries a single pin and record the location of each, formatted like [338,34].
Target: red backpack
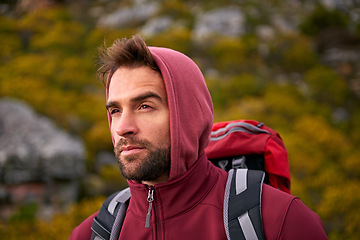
[250,144]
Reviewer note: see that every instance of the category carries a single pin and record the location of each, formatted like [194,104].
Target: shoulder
[83,231]
[287,217]
[276,199]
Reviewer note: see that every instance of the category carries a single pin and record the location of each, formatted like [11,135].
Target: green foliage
[59,227]
[338,210]
[52,31]
[112,179]
[25,214]
[283,105]
[326,86]
[322,159]
[246,108]
[99,37]
[233,55]
[322,19]
[210,4]
[10,43]
[166,39]
[299,56]
[292,53]
[176,9]
[328,147]
[226,91]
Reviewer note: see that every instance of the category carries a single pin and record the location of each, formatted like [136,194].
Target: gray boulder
[33,149]
[156,25]
[227,21]
[125,16]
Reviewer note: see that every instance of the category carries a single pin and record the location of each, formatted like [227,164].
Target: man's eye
[144,106]
[113,111]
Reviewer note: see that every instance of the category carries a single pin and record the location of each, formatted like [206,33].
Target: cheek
[166,133]
[160,133]
[113,134]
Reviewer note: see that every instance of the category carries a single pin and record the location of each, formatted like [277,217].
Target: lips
[128,150]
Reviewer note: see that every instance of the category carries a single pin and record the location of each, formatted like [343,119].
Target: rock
[124,17]
[33,149]
[39,163]
[227,21]
[265,33]
[156,25]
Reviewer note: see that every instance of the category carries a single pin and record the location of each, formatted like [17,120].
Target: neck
[162,179]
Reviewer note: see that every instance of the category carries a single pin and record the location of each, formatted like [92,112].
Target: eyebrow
[146,96]
[139,98]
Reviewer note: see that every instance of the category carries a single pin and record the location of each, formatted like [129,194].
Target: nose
[125,124]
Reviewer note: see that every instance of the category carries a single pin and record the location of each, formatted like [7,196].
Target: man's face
[140,125]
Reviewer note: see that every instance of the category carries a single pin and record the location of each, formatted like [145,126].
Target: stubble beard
[153,165]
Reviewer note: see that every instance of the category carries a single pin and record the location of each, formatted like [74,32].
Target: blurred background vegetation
[304,82]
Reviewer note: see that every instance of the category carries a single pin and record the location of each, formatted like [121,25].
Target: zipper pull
[150,199]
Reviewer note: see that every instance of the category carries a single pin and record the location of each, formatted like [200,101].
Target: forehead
[127,82]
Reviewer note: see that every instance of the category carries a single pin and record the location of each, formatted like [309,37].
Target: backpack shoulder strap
[108,223]
[242,204]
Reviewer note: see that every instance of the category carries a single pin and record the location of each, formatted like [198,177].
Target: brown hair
[132,52]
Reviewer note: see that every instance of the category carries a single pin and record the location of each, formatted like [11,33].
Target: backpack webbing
[242,204]
[108,223]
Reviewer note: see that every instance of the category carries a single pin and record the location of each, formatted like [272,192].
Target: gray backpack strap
[108,223]
[242,204]
[120,216]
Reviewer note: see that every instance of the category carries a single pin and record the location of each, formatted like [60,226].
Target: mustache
[131,141]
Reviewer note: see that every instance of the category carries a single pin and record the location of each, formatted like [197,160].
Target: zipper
[150,200]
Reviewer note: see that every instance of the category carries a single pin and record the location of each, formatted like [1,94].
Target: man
[160,116]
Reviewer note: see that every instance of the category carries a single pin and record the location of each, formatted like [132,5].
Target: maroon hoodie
[190,204]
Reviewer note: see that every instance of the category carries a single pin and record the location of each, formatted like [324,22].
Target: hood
[190,108]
